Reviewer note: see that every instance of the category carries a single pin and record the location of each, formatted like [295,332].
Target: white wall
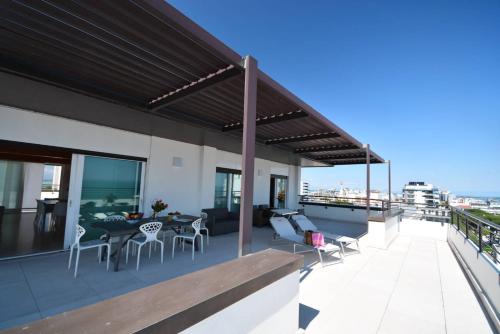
[485,272]
[178,186]
[32,190]
[188,188]
[351,215]
[31,127]
[273,309]
[381,234]
[207,174]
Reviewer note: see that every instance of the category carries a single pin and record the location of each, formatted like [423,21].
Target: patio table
[125,230]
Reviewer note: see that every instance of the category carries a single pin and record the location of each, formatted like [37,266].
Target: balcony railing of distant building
[420,211]
[50,188]
[481,232]
[382,207]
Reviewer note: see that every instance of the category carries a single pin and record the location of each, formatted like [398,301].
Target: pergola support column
[389,181]
[368,190]
[248,156]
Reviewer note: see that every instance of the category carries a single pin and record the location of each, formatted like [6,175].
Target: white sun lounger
[304,224]
[285,230]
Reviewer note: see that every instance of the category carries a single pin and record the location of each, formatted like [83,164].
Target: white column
[207,176]
[32,189]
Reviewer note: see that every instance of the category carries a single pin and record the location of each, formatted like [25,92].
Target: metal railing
[379,204]
[423,211]
[412,211]
[481,232]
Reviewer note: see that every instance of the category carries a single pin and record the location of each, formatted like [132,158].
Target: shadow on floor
[306,315]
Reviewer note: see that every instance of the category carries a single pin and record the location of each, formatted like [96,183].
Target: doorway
[34,184]
[278,191]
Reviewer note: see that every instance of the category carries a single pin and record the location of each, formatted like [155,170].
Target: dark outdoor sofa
[221,221]
[261,215]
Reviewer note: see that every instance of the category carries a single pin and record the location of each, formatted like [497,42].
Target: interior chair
[57,214]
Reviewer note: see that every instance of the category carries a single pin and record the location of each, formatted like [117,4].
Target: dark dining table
[125,230]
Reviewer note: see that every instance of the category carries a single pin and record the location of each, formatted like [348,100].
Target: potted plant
[281,199]
[158,206]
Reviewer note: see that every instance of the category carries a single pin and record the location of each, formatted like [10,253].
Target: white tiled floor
[416,286]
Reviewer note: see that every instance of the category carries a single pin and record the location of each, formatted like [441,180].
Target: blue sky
[419,81]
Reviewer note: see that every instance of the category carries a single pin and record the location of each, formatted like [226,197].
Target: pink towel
[318,239]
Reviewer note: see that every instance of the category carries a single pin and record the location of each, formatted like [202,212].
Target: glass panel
[109,187]
[281,192]
[221,187]
[11,184]
[28,224]
[235,193]
[51,181]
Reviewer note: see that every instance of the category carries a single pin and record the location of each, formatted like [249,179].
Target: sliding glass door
[221,190]
[109,187]
[11,184]
[228,189]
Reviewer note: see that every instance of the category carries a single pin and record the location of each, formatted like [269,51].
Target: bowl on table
[135,215]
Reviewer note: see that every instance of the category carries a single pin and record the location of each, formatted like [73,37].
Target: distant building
[304,188]
[444,196]
[421,193]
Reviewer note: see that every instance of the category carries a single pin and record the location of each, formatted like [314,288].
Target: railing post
[480,233]
[466,228]
[368,190]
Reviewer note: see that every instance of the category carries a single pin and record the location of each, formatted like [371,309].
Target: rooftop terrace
[416,285]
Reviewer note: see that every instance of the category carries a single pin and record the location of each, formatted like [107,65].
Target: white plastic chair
[80,231]
[150,231]
[204,219]
[196,225]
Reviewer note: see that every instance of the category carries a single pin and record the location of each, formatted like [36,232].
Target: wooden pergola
[148,56]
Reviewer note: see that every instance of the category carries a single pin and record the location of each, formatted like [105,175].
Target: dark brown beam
[194,87]
[268,120]
[337,156]
[298,138]
[326,148]
[350,161]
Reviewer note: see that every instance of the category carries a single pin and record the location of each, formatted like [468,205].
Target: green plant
[158,206]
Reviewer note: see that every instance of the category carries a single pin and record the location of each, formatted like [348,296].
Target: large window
[109,187]
[51,181]
[228,189]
